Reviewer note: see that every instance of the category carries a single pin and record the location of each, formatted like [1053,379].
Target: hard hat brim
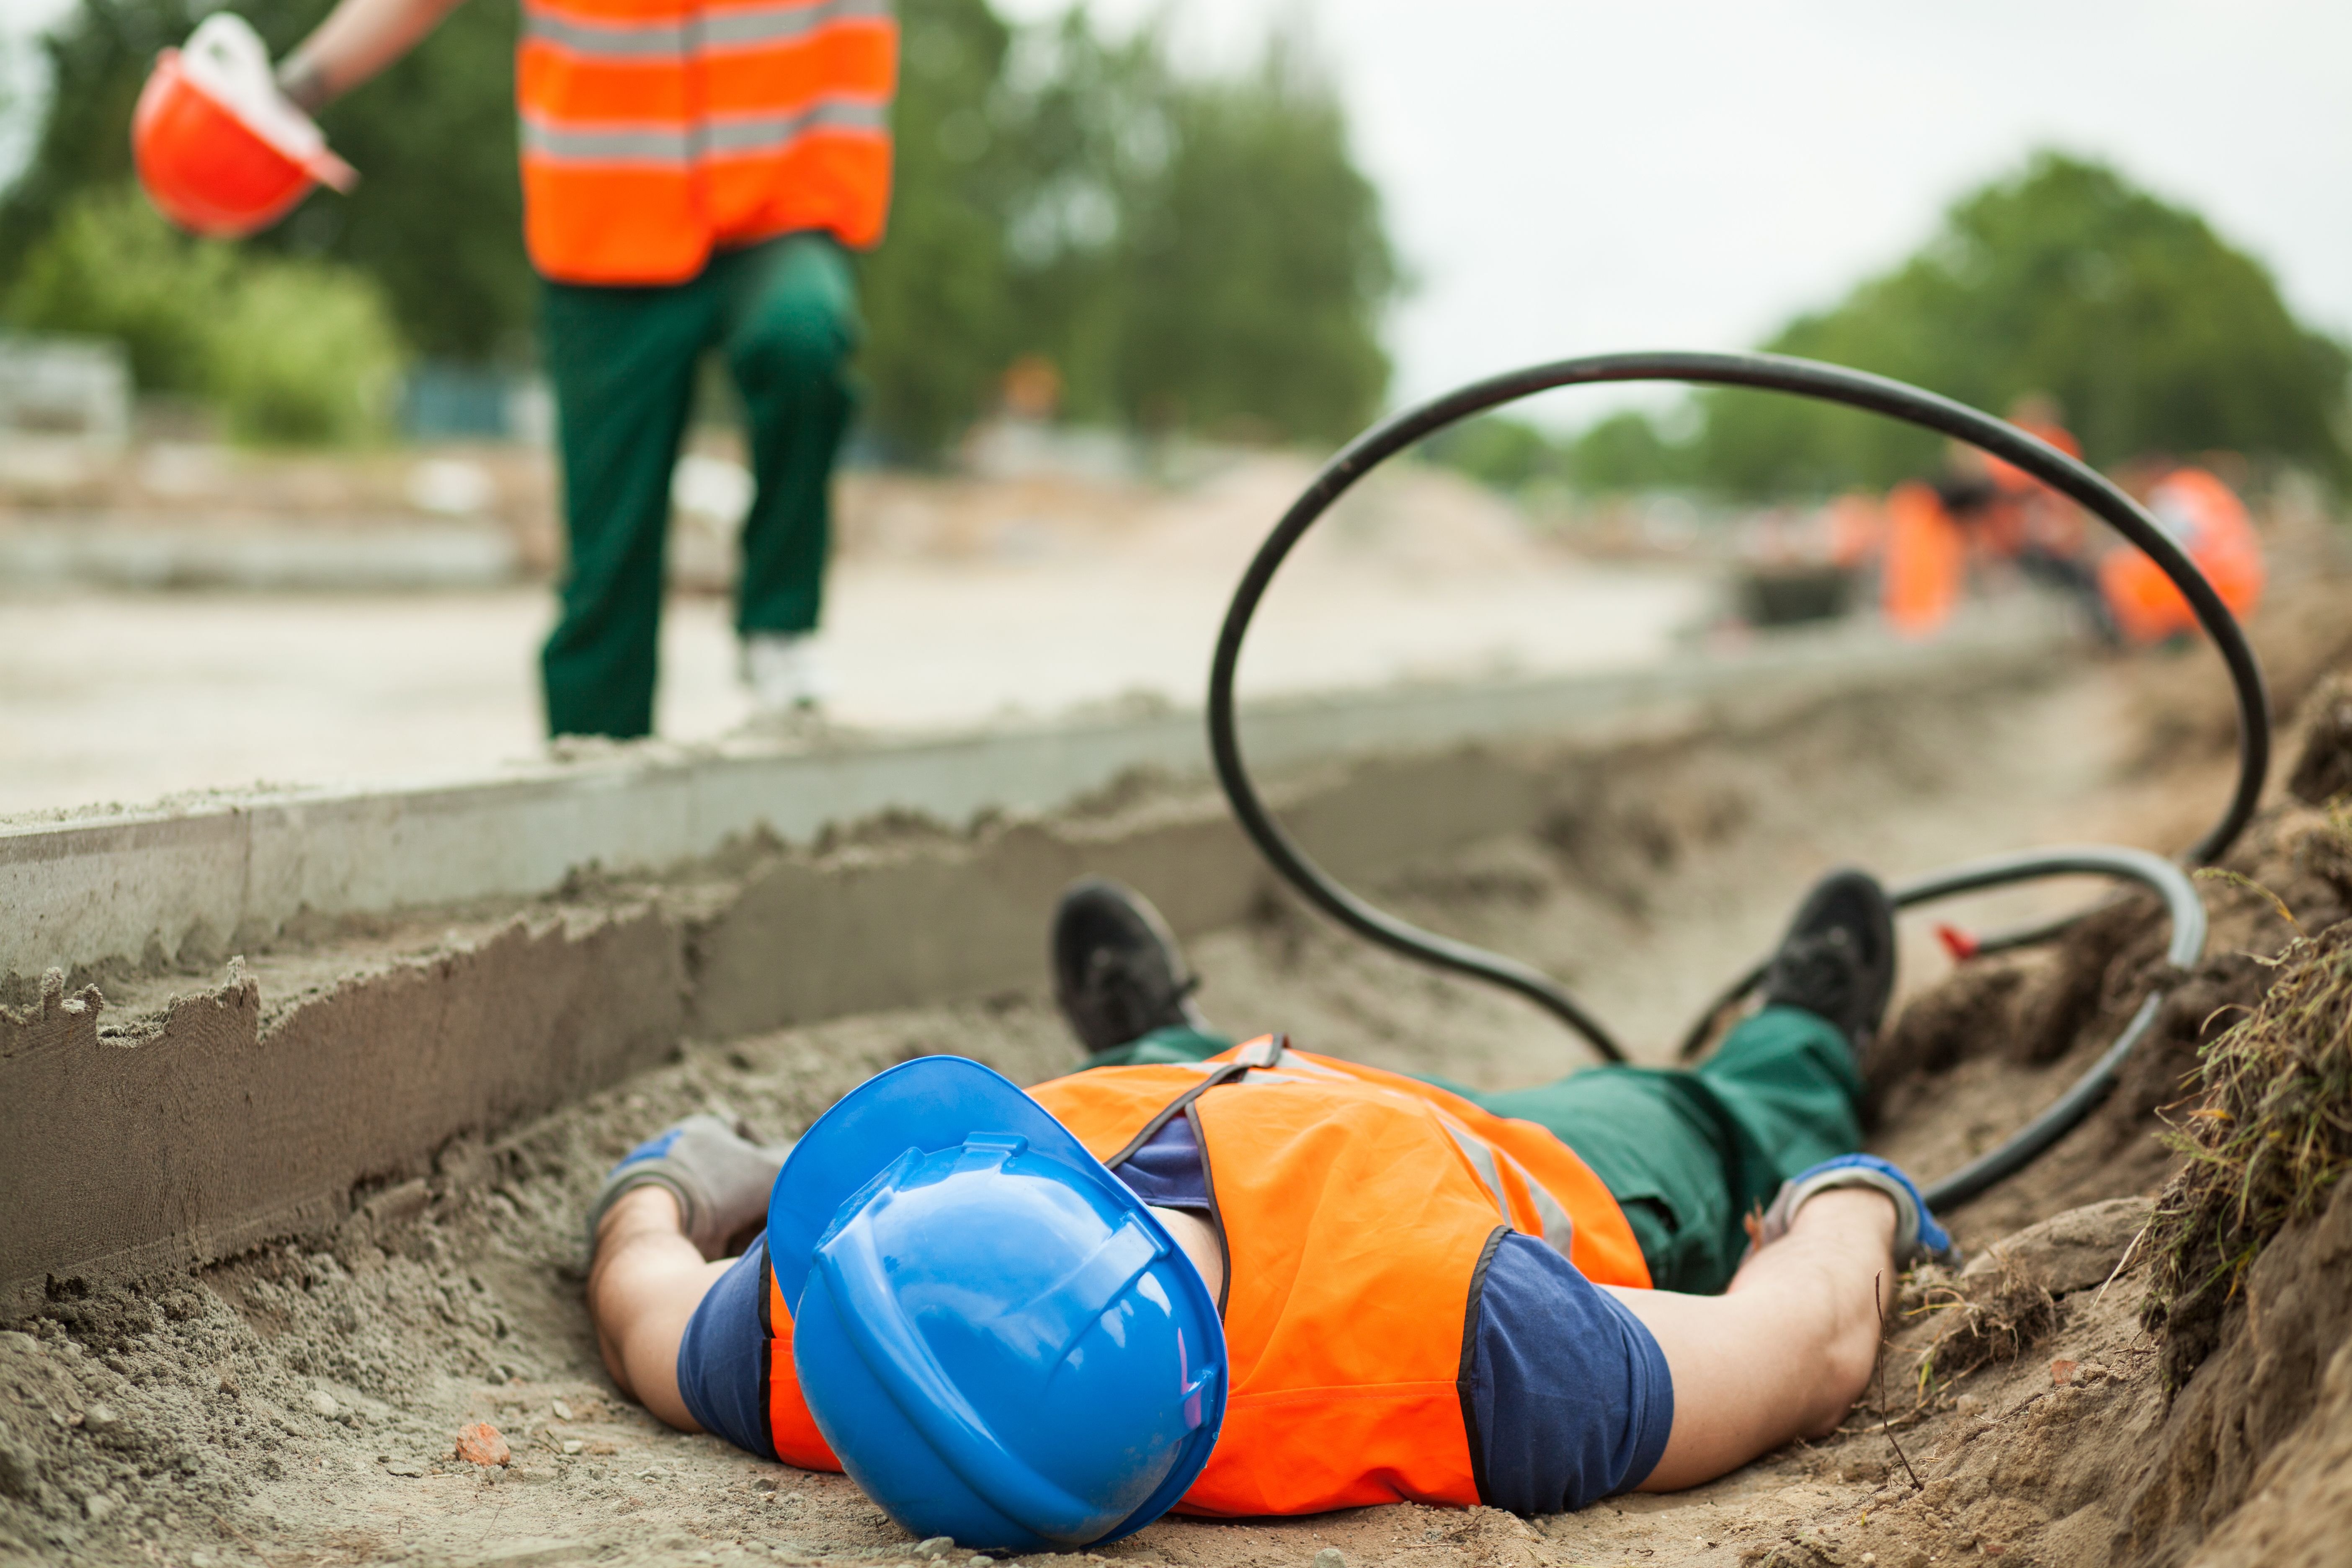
[931,1104]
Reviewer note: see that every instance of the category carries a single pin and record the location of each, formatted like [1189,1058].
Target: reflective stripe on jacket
[1357,1209]
[655,130]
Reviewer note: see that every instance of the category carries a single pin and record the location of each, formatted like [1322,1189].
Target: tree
[1255,265]
[2153,331]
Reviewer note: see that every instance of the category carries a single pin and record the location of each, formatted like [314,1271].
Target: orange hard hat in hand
[220,150]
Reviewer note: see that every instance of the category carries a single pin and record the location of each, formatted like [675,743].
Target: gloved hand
[1917,1234]
[720,1178]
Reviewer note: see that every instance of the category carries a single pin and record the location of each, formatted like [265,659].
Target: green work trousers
[623,362]
[1689,1154]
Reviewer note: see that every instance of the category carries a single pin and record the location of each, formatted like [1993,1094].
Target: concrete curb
[257,555]
[206,879]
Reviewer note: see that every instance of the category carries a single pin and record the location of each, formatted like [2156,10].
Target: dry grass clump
[2270,1137]
[1981,1319]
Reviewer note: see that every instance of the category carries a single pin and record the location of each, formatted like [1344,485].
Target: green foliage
[1254,266]
[305,351]
[1626,452]
[110,267]
[1497,450]
[2153,333]
[292,350]
[1188,254]
[1622,453]
[934,293]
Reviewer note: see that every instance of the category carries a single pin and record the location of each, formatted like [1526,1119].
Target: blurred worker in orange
[1926,560]
[694,172]
[2047,535]
[2205,518]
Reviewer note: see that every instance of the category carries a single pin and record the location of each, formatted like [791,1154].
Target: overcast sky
[1566,177]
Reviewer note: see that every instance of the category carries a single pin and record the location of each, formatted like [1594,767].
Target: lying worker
[1262,1281]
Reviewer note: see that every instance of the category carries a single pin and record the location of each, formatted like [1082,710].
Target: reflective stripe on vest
[655,130]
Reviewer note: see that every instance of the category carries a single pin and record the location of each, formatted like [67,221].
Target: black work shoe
[1838,959]
[1117,973]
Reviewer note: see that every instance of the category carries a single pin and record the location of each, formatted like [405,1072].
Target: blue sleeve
[1167,1171]
[722,1358]
[1570,1393]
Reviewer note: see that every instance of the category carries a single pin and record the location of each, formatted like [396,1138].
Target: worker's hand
[359,38]
[1917,1237]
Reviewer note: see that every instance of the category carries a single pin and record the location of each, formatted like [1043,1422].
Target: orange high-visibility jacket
[656,131]
[2210,523]
[1920,579]
[1357,1209]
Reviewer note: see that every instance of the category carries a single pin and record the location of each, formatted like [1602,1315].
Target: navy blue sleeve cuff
[722,1357]
[1570,1391]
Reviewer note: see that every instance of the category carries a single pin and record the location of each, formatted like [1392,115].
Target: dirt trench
[299,1403]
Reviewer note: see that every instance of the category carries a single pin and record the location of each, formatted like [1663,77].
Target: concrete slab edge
[209,877]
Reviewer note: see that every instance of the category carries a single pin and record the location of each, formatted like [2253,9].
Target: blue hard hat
[994,1334]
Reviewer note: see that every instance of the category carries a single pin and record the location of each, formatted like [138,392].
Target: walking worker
[1239,1280]
[694,174]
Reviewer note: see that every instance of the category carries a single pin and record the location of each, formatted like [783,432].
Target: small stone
[572,1445]
[563,1411]
[2062,1372]
[322,1405]
[98,1505]
[1331,1557]
[1968,1405]
[937,1547]
[764,1484]
[408,1468]
[481,1444]
[100,1417]
[980,1562]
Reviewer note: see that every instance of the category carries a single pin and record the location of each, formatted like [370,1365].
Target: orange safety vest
[2218,537]
[654,131]
[1357,1209]
[1919,581]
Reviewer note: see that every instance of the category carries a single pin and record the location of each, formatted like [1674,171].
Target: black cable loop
[1832,384]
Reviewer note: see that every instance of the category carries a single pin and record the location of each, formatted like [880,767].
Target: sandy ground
[300,1404]
[952,603]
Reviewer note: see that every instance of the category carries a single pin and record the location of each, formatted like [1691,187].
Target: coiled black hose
[1831,383]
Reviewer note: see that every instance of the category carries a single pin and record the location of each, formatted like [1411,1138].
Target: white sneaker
[785,672]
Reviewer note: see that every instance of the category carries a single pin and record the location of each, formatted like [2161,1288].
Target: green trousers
[1689,1154]
[623,362]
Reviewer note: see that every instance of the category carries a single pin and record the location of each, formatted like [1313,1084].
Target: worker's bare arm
[359,38]
[643,1288]
[1783,1353]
